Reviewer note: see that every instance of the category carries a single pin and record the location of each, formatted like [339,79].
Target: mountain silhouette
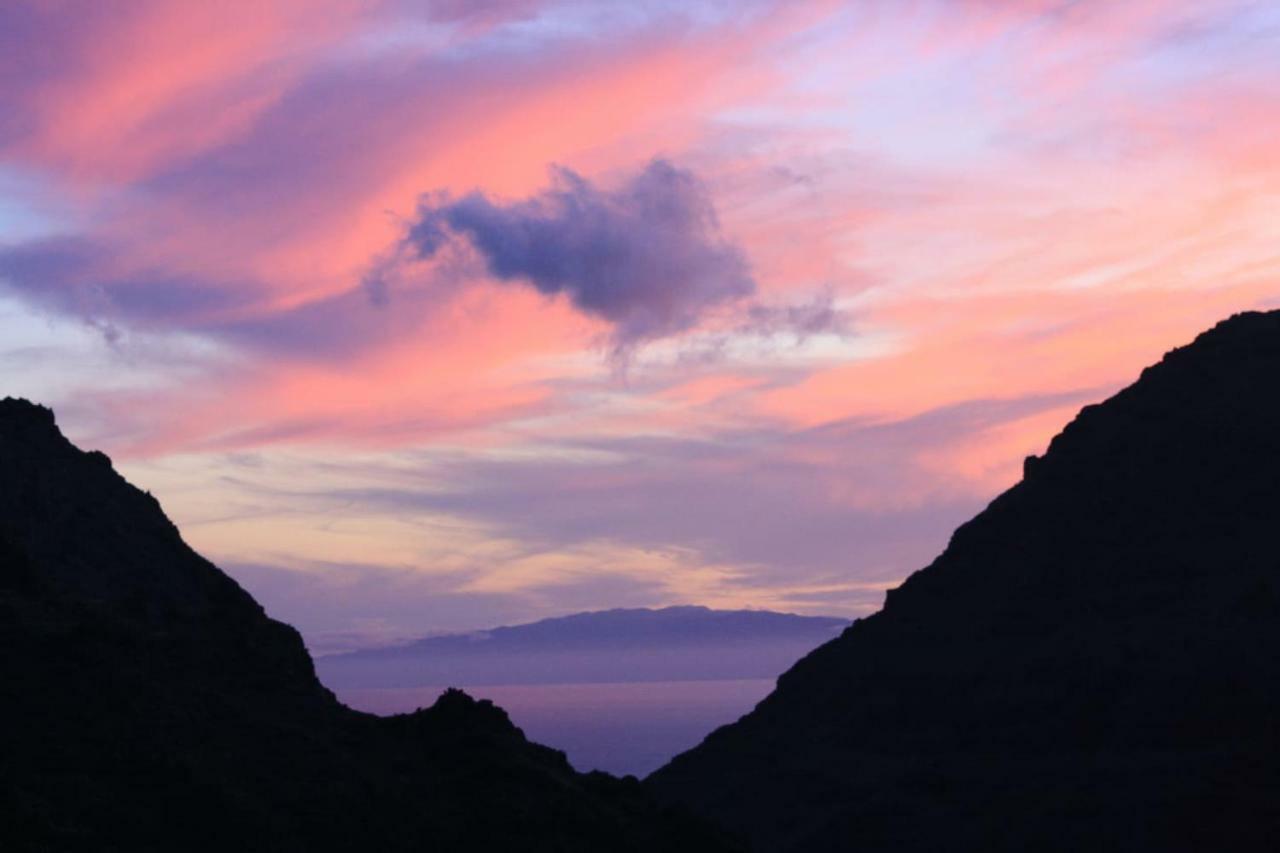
[622,645]
[147,703]
[1093,663]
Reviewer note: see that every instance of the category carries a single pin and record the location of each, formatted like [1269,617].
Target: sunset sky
[432,316]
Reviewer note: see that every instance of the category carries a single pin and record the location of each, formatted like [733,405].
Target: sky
[431,316]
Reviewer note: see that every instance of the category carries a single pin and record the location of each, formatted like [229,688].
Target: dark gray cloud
[648,257]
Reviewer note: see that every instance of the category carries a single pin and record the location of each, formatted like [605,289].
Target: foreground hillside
[148,703]
[1092,664]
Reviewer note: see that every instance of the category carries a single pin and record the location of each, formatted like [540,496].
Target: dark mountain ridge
[674,624]
[1091,664]
[622,645]
[148,703]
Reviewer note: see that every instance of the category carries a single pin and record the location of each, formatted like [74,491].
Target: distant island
[685,643]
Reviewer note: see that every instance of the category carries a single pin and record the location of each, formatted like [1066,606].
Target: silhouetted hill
[624,645]
[148,703]
[1092,664]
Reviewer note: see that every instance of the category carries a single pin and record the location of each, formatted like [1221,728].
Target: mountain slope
[148,703]
[1090,665]
[624,645]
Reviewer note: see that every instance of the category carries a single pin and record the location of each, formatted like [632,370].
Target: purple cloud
[78,277]
[647,257]
[95,283]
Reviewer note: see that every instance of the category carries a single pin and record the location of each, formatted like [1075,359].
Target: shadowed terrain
[148,703]
[1090,665]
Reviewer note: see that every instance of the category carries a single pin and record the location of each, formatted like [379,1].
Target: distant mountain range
[1092,664]
[631,645]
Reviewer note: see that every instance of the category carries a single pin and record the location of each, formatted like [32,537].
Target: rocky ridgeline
[1092,664]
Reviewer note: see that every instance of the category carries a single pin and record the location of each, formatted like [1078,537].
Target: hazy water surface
[621,728]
